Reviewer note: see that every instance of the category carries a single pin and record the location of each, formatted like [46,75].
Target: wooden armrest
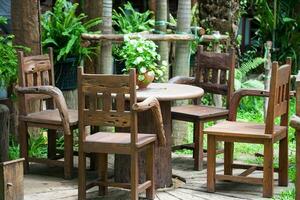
[238,95]
[58,97]
[183,80]
[295,122]
[153,104]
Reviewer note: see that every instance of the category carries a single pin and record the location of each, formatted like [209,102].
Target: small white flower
[140,49]
[143,70]
[138,60]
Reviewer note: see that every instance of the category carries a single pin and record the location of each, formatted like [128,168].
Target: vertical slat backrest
[102,100]
[215,72]
[278,105]
[35,71]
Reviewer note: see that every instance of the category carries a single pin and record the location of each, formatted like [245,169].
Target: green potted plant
[62,30]
[141,54]
[127,20]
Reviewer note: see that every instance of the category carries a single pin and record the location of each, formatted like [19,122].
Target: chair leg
[150,192]
[68,156]
[228,157]
[297,164]
[81,176]
[283,162]
[102,172]
[51,143]
[23,139]
[211,163]
[268,170]
[198,146]
[134,176]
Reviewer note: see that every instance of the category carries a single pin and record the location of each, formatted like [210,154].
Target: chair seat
[115,140]
[244,130]
[198,111]
[51,117]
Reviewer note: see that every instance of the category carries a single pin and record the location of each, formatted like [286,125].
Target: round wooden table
[165,93]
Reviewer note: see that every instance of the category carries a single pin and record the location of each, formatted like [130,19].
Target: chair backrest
[36,71]
[101,101]
[215,72]
[278,105]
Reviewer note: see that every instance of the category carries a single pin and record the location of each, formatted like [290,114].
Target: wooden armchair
[267,134]
[36,82]
[215,74]
[102,102]
[295,123]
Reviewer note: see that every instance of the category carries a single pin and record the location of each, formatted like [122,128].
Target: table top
[169,92]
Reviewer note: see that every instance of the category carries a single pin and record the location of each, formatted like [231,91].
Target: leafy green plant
[128,20]
[241,78]
[62,30]
[141,54]
[273,21]
[38,146]
[14,149]
[8,61]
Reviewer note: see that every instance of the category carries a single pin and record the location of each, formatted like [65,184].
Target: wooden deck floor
[44,183]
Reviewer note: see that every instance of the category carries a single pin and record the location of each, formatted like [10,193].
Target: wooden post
[297,186]
[4,132]
[161,19]
[11,180]
[93,10]
[182,63]
[217,98]
[26,28]
[26,24]
[106,66]
[267,66]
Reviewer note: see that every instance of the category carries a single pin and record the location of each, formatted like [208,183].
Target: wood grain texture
[153,37]
[210,75]
[112,90]
[4,132]
[11,180]
[36,81]
[266,134]
[295,123]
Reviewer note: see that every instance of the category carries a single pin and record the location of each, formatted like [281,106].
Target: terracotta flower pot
[149,77]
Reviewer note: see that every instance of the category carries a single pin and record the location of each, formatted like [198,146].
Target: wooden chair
[267,134]
[36,82]
[295,123]
[102,102]
[209,66]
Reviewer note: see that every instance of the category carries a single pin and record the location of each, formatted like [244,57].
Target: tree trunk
[161,26]
[26,24]
[268,67]
[106,66]
[182,63]
[4,132]
[93,10]
[152,5]
[27,30]
[220,16]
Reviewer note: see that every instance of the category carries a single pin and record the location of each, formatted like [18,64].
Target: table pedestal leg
[163,167]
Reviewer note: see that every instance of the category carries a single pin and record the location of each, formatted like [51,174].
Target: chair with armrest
[215,74]
[102,103]
[266,134]
[295,123]
[36,83]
